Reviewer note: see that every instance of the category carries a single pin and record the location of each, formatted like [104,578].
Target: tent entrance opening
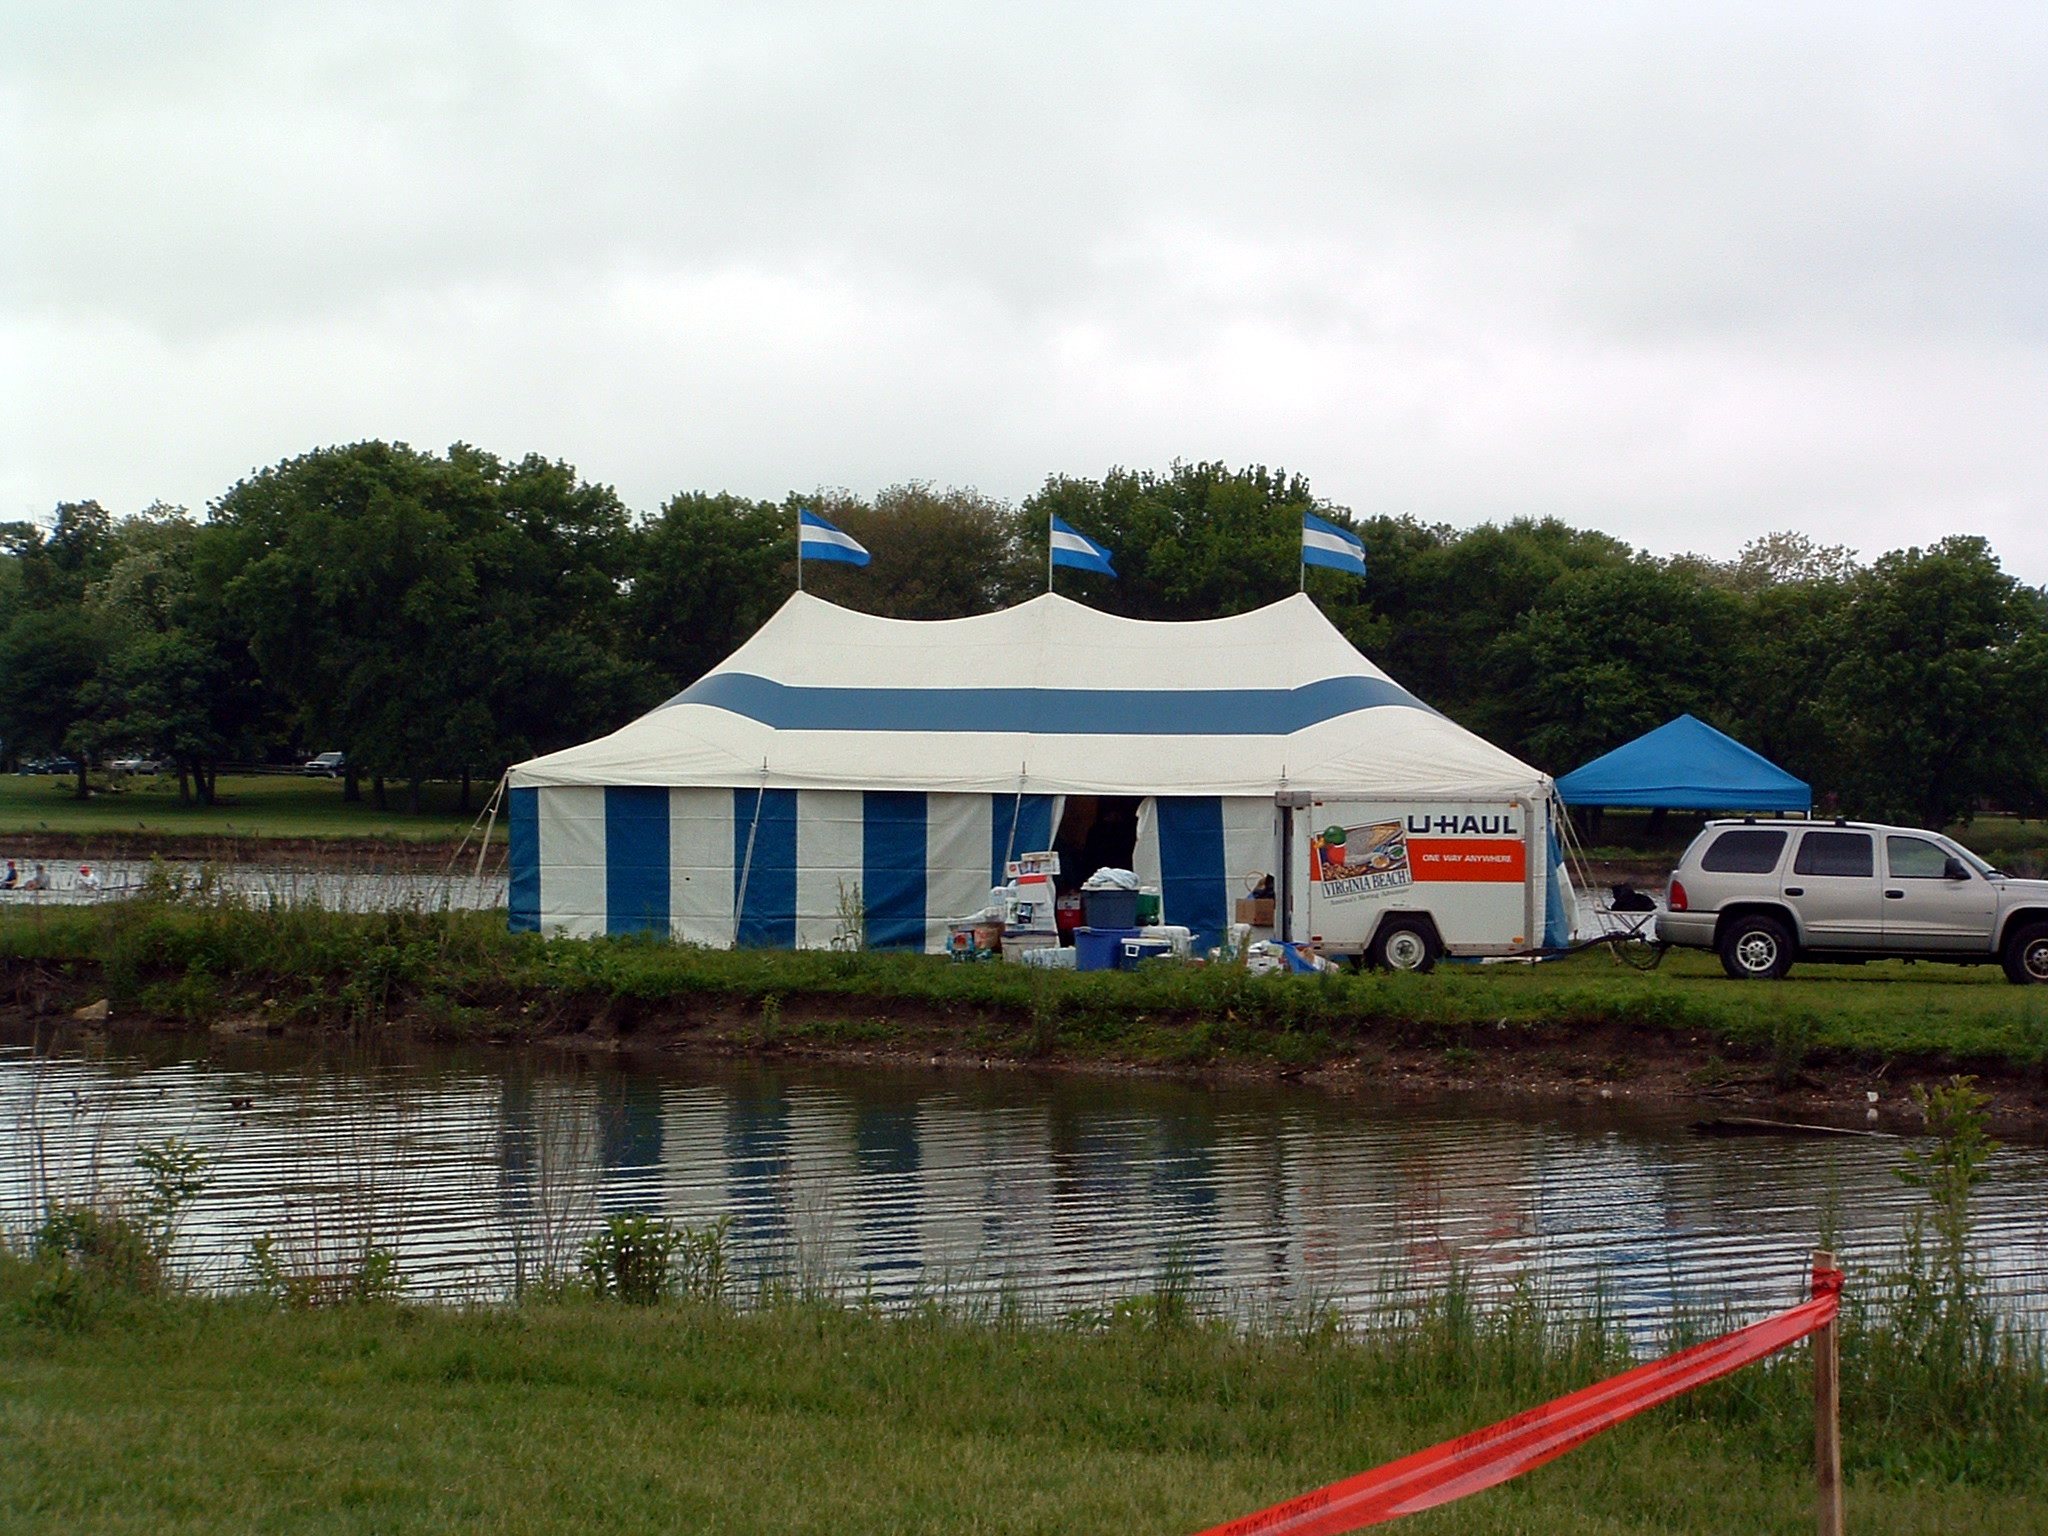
[1096,832]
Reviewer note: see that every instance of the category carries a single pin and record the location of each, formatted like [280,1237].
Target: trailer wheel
[1405,945]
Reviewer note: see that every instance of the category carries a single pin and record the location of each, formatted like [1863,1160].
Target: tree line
[444,615]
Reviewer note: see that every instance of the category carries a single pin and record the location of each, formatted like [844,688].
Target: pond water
[1065,1191]
[338,888]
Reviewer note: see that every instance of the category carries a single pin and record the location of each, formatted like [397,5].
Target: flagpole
[1048,552]
[799,549]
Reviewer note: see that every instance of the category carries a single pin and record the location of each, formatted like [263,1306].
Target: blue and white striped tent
[837,750]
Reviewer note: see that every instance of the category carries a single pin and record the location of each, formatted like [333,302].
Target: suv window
[1835,853]
[1915,858]
[1744,853]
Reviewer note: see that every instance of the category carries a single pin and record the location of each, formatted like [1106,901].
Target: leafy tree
[48,659]
[1446,599]
[429,614]
[50,648]
[706,573]
[1928,684]
[1200,541]
[1609,653]
[937,555]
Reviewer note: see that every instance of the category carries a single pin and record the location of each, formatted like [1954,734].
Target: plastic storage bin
[1097,949]
[1110,909]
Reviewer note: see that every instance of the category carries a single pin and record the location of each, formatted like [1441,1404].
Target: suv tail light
[1678,901]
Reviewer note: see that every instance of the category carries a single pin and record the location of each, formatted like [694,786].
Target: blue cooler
[1133,953]
[1099,949]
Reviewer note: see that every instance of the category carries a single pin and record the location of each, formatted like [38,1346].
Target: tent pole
[1016,815]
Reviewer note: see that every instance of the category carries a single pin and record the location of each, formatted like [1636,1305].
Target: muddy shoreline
[1531,1064]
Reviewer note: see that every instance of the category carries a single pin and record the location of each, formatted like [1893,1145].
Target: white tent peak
[1086,701]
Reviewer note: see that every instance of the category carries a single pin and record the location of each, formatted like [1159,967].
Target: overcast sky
[1688,274]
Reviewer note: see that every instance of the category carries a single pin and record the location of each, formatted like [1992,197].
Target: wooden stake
[1827,1418]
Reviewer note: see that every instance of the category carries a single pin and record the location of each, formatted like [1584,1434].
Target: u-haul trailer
[1401,882]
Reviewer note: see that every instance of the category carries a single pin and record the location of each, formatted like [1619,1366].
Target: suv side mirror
[1954,870]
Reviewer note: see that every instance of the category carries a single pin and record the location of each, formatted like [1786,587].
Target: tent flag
[1328,545]
[819,540]
[1078,550]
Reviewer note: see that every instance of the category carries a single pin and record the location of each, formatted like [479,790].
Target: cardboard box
[1256,910]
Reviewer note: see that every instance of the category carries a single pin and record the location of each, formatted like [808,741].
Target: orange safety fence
[1493,1455]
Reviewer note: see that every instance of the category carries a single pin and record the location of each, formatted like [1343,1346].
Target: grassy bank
[217,1415]
[270,805]
[461,975]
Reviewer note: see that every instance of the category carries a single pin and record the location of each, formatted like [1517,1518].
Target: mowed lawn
[269,805]
[198,1417]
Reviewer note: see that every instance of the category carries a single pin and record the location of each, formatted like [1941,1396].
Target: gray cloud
[1689,275]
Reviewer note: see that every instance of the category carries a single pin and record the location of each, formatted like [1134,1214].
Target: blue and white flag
[1326,544]
[817,539]
[1078,550]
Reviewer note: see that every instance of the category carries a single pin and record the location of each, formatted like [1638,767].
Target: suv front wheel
[1756,948]
[2026,955]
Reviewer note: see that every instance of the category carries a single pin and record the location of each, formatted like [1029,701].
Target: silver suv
[1766,893]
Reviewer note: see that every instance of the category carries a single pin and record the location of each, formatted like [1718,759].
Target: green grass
[462,974]
[270,805]
[228,1415]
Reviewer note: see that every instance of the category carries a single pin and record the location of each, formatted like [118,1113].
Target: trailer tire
[1405,944]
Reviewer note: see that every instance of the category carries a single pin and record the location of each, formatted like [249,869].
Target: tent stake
[1827,1418]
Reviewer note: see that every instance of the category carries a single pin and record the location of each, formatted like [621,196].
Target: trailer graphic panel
[1350,862]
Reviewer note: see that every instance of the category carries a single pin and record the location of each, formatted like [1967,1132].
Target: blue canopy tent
[1685,765]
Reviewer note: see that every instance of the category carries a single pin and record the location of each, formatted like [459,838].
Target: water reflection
[485,1171]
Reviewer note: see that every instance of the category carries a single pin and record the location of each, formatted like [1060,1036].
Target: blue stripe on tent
[1194,890]
[635,860]
[523,899]
[1557,929]
[768,896]
[1046,711]
[1033,817]
[892,868]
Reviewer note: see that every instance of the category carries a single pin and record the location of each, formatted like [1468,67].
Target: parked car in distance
[1763,894]
[330,765]
[141,765]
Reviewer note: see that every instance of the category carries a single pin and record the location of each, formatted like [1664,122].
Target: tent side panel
[522,896]
[1193,883]
[700,845]
[829,832]
[1557,910]
[636,884]
[764,855]
[572,862]
[1251,845]
[1145,856]
[1019,824]
[893,868]
[956,857]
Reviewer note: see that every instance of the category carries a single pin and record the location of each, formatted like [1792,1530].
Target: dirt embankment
[1531,1062]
